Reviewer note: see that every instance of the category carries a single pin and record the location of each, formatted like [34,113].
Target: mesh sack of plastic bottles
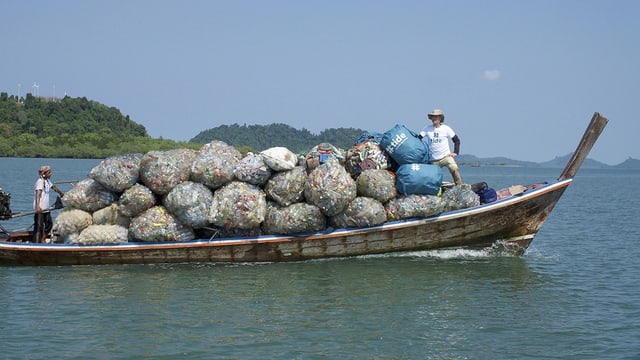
[378,184]
[321,153]
[252,169]
[279,158]
[330,188]
[287,187]
[135,200]
[292,219]
[214,165]
[117,173]
[102,234]
[220,147]
[190,202]
[365,156]
[71,221]
[361,212]
[158,224]
[110,215]
[459,197]
[69,239]
[160,171]
[238,205]
[88,195]
[413,206]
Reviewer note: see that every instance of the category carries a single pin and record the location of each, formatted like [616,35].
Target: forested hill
[81,128]
[55,117]
[261,137]
[70,128]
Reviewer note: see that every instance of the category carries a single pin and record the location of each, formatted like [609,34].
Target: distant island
[32,126]
[558,162]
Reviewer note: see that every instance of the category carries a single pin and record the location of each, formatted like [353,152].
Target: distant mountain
[561,162]
[472,160]
[557,162]
[630,163]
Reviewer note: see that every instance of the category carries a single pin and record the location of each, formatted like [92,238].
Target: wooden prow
[597,124]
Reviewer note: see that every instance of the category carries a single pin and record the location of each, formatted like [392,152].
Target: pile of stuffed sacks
[217,192]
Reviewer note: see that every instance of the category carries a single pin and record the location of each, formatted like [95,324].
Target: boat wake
[454,254]
[444,254]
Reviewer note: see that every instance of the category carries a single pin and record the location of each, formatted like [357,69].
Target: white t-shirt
[45,186]
[438,140]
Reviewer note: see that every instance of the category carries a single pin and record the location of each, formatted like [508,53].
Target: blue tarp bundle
[421,179]
[404,146]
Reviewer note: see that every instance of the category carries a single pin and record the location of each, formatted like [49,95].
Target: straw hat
[436,112]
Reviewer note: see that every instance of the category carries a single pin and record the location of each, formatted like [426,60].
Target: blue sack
[486,194]
[369,136]
[404,146]
[419,179]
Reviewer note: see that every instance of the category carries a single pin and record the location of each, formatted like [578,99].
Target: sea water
[573,295]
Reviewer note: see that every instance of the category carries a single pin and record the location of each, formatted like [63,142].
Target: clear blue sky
[514,78]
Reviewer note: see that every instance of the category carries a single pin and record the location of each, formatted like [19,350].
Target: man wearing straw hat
[437,136]
[42,222]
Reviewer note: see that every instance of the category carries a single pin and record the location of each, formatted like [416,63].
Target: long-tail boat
[509,224]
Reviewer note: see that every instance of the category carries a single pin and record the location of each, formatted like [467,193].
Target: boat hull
[512,222]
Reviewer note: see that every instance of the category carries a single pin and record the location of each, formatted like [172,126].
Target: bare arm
[38,193]
[56,189]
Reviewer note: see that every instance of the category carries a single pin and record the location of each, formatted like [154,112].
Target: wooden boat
[508,224]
